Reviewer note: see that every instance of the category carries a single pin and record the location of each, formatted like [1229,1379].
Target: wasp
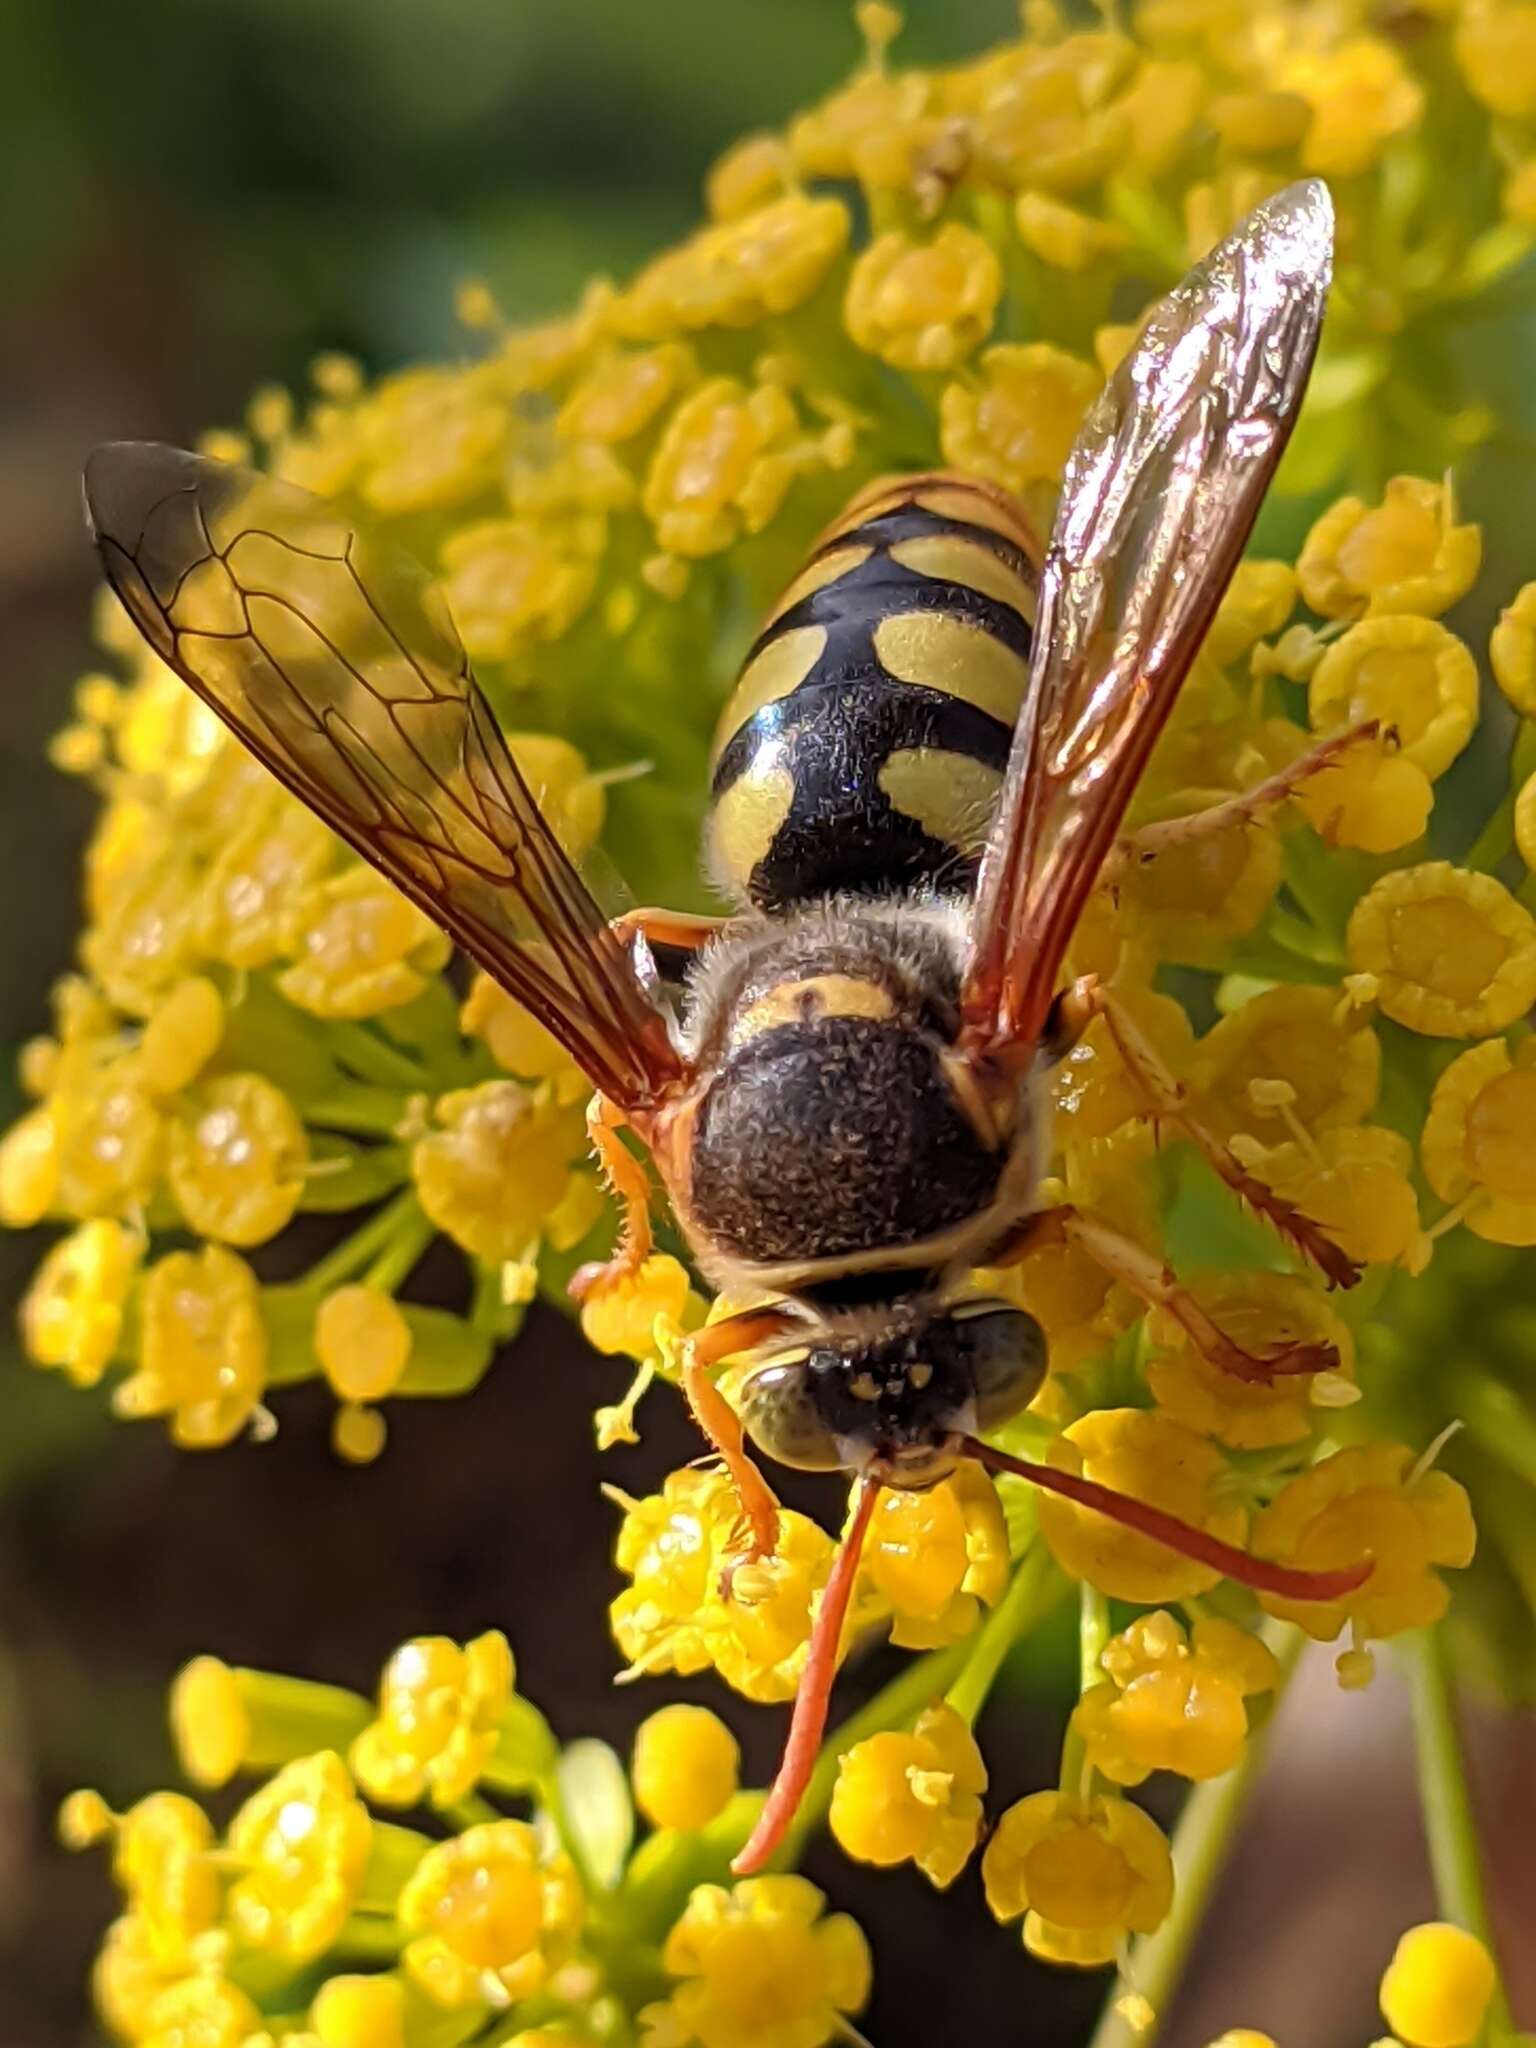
[922,776]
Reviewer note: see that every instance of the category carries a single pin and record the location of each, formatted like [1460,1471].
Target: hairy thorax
[834,1132]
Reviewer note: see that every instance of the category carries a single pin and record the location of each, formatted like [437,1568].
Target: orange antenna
[1286,1582]
[810,1712]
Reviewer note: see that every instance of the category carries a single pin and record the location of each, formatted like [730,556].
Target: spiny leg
[704,1350]
[1148,841]
[1156,1284]
[1165,1096]
[631,1184]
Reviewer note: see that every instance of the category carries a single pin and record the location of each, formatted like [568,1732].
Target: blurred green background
[198,198]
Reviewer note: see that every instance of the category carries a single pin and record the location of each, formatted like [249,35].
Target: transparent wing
[335,661]
[1160,495]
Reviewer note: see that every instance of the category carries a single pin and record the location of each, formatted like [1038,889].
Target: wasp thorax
[897,1404]
[834,1125]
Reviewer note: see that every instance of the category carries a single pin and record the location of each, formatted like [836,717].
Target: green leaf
[598,1811]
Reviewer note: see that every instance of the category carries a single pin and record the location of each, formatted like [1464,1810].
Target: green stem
[412,1235]
[365,1243]
[1034,1591]
[892,1707]
[355,1106]
[1201,1844]
[1445,1800]
[374,1058]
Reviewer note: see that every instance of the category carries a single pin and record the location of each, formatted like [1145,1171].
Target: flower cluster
[314,1922]
[1336,974]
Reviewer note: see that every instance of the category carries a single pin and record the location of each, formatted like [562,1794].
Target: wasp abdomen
[865,745]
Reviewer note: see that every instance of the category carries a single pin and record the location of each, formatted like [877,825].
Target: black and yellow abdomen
[864,747]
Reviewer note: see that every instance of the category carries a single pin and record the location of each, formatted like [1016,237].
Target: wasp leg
[1157,1285]
[678,931]
[1166,1098]
[1150,840]
[630,1183]
[705,1349]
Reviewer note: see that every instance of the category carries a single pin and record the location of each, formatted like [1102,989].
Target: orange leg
[679,929]
[1157,1285]
[1151,840]
[1165,1097]
[631,1185]
[719,1421]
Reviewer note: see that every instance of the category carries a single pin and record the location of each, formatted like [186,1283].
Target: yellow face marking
[816,576]
[744,822]
[919,1375]
[951,796]
[954,559]
[952,655]
[864,1387]
[801,1002]
[781,667]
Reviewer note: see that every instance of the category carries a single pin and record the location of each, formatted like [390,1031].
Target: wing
[1160,495]
[335,661]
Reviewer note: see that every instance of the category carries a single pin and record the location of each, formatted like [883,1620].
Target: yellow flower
[162,1858]
[440,1713]
[1192,900]
[1496,48]
[1173,1701]
[1405,555]
[360,2012]
[1042,115]
[511,583]
[180,1036]
[1360,94]
[109,1140]
[126,1978]
[1451,952]
[1525,822]
[1258,601]
[1304,1037]
[363,1342]
[1015,421]
[237,1158]
[570,797]
[1084,1872]
[254,898]
[737,272]
[1411,675]
[762,1968]
[489,1914]
[725,462]
[1366,1502]
[840,137]
[1063,235]
[72,1314]
[518,1041]
[362,949]
[1262,1312]
[199,2012]
[758,1638]
[1512,651]
[937,1558]
[1153,1459]
[202,1347]
[1355,1182]
[685,1768]
[923,305]
[1480,1140]
[430,438]
[500,1163]
[624,393]
[1437,1988]
[1367,797]
[619,1314]
[301,1844]
[912,1798]
[29,1169]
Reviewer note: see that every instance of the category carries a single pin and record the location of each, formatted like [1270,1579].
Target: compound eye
[779,1412]
[1006,1352]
